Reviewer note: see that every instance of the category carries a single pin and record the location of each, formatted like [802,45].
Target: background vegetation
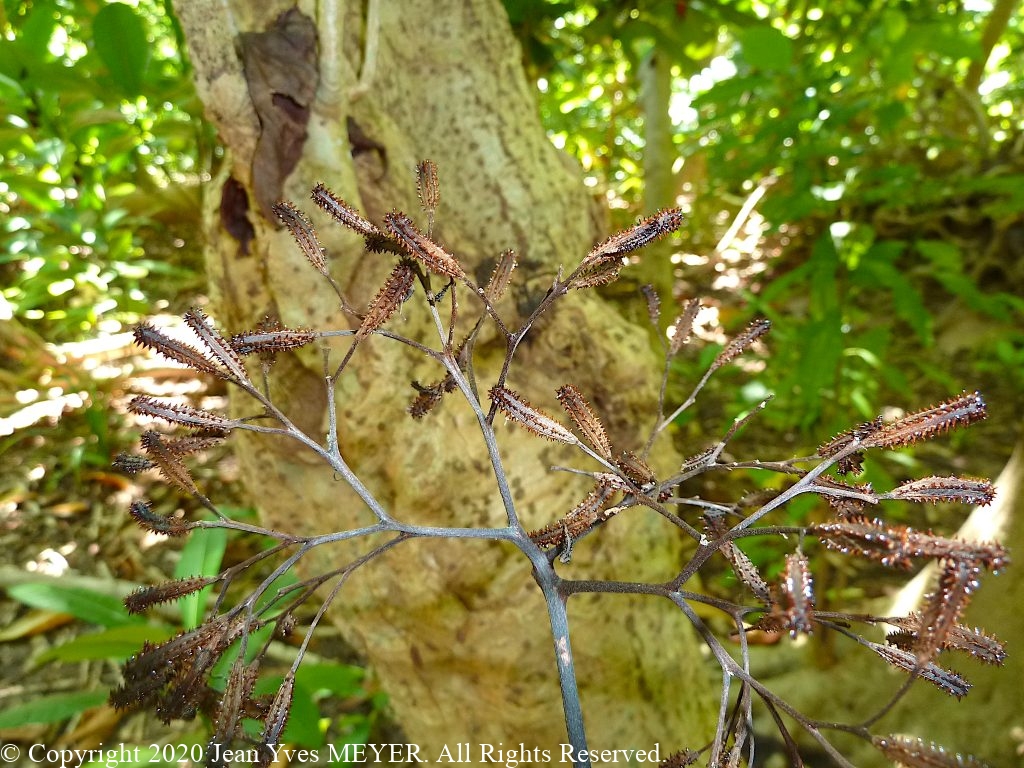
[853,171]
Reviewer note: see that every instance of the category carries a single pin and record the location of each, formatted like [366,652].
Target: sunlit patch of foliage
[103,151]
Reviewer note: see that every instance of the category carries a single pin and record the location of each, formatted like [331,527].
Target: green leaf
[51,709]
[119,36]
[84,604]
[766,48]
[117,643]
[201,556]
[342,680]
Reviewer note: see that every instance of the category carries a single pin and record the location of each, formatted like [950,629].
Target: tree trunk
[454,630]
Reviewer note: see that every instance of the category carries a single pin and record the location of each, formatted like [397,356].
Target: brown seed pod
[151,338]
[924,425]
[428,189]
[797,594]
[683,326]
[169,464]
[305,235]
[178,413]
[146,597]
[641,234]
[142,513]
[945,680]
[972,640]
[583,416]
[388,299]
[738,346]
[933,490]
[342,212]
[913,752]
[958,581]
[421,247]
[500,276]
[532,419]
[217,345]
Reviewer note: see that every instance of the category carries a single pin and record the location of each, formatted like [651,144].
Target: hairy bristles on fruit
[170,466]
[276,340]
[923,425]
[682,326]
[737,346]
[843,439]
[142,513]
[637,236]
[237,693]
[305,235]
[896,545]
[577,522]
[635,468]
[912,752]
[742,565]
[151,338]
[945,680]
[958,581]
[388,299]
[520,411]
[132,463]
[653,303]
[427,186]
[178,413]
[601,273]
[146,597]
[419,246]
[500,276]
[215,343]
[280,711]
[972,640]
[583,416]
[182,446]
[681,759]
[945,489]
[342,212]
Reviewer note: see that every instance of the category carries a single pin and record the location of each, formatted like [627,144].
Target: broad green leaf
[766,48]
[117,643]
[84,604]
[120,39]
[201,556]
[341,680]
[51,709]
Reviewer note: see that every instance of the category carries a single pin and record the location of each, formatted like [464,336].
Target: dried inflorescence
[174,677]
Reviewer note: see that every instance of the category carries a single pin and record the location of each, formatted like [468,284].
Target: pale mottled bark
[455,631]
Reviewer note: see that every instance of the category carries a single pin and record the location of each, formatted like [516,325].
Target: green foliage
[103,150]
[123,634]
[893,184]
[201,556]
[50,709]
[85,604]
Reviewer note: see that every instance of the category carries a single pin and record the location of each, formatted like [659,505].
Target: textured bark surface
[455,631]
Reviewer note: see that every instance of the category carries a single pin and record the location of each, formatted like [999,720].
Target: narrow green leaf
[201,556]
[51,709]
[117,643]
[84,604]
